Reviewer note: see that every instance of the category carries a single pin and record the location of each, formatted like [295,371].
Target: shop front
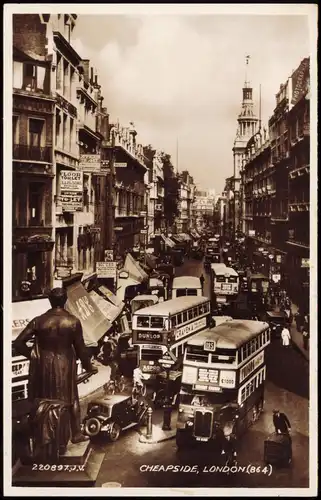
[31,266]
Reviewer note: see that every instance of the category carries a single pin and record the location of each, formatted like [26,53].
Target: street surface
[287,389]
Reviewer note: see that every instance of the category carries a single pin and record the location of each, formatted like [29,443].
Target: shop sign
[305,262]
[276,278]
[278,259]
[63,272]
[105,167]
[109,255]
[90,163]
[71,190]
[120,164]
[106,269]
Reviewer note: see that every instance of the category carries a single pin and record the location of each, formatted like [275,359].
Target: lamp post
[166,362]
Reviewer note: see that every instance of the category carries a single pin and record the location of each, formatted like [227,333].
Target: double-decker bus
[167,326]
[225,282]
[222,381]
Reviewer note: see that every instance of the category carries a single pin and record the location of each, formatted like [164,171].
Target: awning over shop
[170,243]
[134,270]
[92,319]
[111,297]
[109,310]
[25,311]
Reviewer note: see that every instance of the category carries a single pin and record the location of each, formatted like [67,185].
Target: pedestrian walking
[281,423]
[286,337]
[202,280]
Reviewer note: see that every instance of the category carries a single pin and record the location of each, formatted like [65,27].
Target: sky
[179,78]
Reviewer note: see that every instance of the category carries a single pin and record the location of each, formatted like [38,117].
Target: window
[143,321]
[35,132]
[33,77]
[151,354]
[15,129]
[220,279]
[71,136]
[66,87]
[157,322]
[190,314]
[195,312]
[191,292]
[174,321]
[185,316]
[179,319]
[35,203]
[64,131]
[181,292]
[232,279]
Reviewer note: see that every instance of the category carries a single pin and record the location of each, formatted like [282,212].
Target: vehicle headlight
[189,423]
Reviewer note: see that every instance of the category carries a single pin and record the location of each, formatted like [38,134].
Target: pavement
[296,337]
[158,434]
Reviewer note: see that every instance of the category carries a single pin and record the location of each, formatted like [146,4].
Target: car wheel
[114,432]
[92,427]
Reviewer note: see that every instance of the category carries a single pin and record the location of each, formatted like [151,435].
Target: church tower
[247,123]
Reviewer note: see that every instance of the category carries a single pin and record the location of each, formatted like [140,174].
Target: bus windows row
[178,319]
[198,354]
[193,313]
[254,345]
[252,384]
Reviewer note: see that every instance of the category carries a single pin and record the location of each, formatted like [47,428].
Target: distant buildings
[203,208]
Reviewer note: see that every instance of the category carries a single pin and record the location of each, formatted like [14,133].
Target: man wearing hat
[281,423]
[58,342]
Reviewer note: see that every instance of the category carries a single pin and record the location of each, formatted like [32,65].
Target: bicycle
[139,390]
[115,385]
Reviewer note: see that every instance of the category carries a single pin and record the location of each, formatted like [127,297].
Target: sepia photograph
[157,273]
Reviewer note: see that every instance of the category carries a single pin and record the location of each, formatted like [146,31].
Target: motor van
[185,286]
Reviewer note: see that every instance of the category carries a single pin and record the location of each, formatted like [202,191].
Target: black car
[113,414]
[277,321]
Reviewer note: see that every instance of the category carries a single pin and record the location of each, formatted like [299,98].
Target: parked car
[277,321]
[112,415]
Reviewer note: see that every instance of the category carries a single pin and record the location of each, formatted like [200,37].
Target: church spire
[247,120]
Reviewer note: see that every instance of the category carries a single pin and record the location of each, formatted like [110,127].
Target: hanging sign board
[71,190]
[106,269]
[90,163]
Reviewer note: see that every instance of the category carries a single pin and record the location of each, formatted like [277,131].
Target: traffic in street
[154,464]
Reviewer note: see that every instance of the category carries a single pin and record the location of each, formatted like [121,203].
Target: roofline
[172,306]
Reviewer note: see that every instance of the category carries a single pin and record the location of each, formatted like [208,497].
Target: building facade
[33,164]
[298,240]
[130,169]
[203,207]
[185,202]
